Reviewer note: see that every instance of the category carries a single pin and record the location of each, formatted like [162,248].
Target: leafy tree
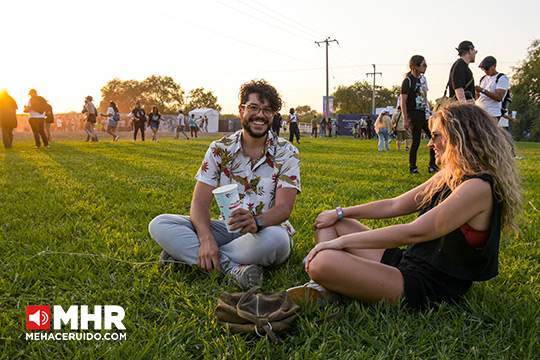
[525,92]
[163,92]
[305,113]
[155,90]
[357,98]
[200,99]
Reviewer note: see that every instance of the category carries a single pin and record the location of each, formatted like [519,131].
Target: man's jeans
[176,235]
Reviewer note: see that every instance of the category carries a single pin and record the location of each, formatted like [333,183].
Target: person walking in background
[139,121]
[112,116]
[90,112]
[205,122]
[37,106]
[382,127]
[49,119]
[369,127]
[293,126]
[154,118]
[363,128]
[200,122]
[276,123]
[402,134]
[192,125]
[314,125]
[461,81]
[8,117]
[322,127]
[413,108]
[181,125]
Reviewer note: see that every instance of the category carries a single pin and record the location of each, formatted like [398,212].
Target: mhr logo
[39,317]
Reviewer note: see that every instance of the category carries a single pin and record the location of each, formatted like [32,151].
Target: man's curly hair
[264,91]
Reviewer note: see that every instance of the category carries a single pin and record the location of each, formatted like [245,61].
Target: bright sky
[67,49]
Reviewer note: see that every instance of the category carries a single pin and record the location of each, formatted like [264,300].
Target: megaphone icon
[39,318]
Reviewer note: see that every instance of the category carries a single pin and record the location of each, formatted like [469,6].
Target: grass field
[73,231]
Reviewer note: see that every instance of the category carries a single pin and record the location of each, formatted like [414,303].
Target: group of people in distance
[140,119]
[463,209]
[489,95]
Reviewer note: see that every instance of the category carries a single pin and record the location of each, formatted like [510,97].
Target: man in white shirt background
[491,91]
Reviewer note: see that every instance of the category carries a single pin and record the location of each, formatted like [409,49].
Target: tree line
[155,90]
[525,91]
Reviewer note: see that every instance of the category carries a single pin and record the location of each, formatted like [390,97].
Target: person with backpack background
[91,113]
[113,116]
[461,81]
[413,109]
[492,93]
[49,119]
[37,106]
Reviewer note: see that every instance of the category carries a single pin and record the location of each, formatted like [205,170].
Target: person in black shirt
[461,81]
[276,123]
[413,107]
[139,121]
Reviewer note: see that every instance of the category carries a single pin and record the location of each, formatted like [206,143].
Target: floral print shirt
[278,166]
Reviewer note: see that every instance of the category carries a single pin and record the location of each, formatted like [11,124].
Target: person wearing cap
[37,108]
[491,92]
[492,88]
[461,81]
[91,113]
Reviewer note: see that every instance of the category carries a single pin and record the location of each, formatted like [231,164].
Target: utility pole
[327,41]
[374,73]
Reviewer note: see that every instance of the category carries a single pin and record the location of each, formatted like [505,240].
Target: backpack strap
[253,319]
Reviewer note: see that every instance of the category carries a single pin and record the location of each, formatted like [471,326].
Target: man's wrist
[259,223]
[339,212]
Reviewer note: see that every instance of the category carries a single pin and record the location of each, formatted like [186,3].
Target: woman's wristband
[339,211]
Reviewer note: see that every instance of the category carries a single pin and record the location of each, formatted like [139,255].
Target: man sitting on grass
[267,171]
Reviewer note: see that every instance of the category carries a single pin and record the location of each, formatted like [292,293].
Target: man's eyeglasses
[254,109]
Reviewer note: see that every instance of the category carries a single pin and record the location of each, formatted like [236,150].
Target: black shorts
[424,284]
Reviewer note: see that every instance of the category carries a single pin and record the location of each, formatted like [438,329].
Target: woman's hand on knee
[326,245]
[325,219]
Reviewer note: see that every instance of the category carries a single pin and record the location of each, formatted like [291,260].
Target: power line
[289,20]
[153,9]
[259,19]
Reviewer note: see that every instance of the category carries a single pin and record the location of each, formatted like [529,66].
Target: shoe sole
[305,295]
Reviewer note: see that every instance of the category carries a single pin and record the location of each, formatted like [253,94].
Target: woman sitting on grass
[453,242]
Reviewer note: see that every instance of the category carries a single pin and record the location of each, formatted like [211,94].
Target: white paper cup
[228,200]
[514,113]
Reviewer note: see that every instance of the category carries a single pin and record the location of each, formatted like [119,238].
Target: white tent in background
[211,114]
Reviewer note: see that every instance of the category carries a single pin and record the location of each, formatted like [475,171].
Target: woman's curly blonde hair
[476,145]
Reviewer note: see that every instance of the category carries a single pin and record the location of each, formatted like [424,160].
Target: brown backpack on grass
[256,312]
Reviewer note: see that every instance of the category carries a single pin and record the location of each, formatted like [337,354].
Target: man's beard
[248,129]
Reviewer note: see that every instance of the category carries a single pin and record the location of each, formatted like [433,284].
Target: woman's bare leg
[357,277]
[344,227]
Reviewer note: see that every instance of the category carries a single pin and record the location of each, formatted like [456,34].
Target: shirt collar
[269,147]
